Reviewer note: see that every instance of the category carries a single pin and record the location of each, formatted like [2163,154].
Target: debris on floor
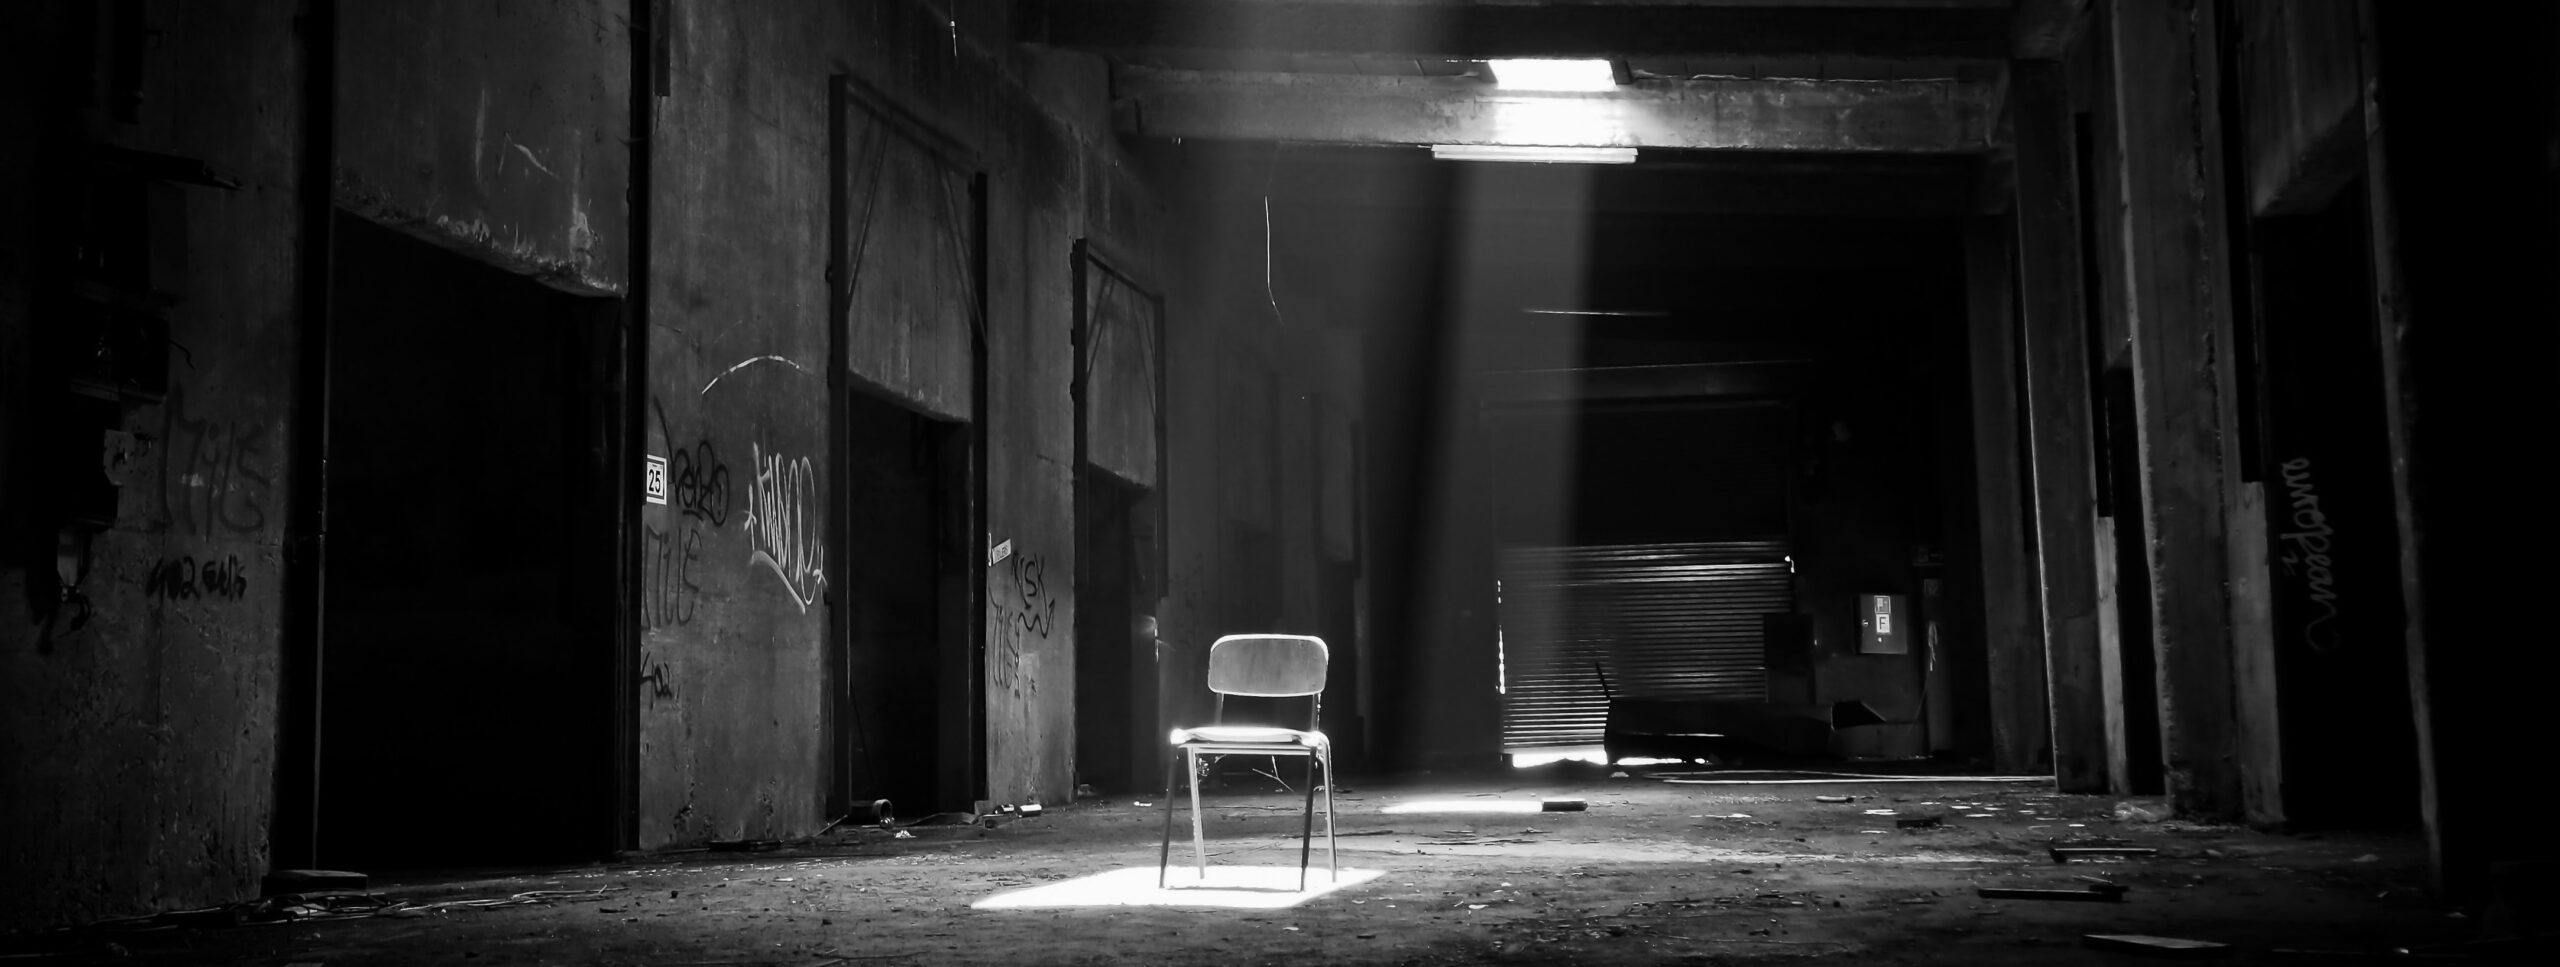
[2156,946]
[2093,893]
[2065,854]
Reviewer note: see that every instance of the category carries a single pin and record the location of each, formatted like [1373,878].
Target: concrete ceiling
[1894,77]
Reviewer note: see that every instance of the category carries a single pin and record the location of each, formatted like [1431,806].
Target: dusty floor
[1652,872]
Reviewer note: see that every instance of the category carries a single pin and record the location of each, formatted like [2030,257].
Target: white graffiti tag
[781,534]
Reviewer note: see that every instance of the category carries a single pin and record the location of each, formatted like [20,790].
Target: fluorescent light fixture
[1553,75]
[1534,153]
[1230,887]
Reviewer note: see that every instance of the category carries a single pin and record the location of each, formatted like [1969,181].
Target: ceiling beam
[1906,117]
[1480,29]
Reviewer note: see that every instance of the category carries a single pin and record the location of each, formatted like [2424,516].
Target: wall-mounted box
[1884,624]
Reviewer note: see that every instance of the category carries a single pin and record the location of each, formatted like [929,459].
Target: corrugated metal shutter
[1665,620]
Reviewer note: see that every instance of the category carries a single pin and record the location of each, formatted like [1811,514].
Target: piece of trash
[1293,929]
[903,834]
[1736,816]
[1831,799]
[2005,893]
[2138,813]
[2065,854]
[2368,858]
[1879,812]
[1030,809]
[1863,832]
[1980,816]
[1140,802]
[1475,906]
[2157,946]
[1620,774]
[1917,822]
[1084,791]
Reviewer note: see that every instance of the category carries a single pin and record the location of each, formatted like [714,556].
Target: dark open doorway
[905,705]
[1116,733]
[467,641]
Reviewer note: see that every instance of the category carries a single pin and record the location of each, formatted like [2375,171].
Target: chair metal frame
[1234,670]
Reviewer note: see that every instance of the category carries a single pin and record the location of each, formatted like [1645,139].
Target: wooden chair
[1267,666]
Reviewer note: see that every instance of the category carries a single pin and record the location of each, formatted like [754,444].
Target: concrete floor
[1653,872]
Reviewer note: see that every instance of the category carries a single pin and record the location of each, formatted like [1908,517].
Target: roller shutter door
[1678,621]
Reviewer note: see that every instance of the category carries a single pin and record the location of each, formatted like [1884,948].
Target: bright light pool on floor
[1230,887]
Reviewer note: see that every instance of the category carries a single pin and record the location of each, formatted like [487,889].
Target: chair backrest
[1269,666]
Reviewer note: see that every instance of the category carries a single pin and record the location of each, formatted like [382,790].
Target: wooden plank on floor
[2057,387]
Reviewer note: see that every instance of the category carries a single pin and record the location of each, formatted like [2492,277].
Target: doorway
[1115,662]
[467,633]
[903,713]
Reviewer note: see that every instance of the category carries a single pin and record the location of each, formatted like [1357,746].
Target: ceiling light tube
[1534,153]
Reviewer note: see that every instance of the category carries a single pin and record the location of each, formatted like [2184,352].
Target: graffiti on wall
[654,679]
[1030,607]
[213,471]
[782,535]
[668,587]
[700,483]
[186,579]
[2306,553]
[670,559]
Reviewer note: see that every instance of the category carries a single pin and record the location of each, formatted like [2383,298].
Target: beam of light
[1525,760]
[1533,154]
[1228,887]
[1552,75]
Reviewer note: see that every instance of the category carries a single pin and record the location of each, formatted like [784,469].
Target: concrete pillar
[2220,763]
[2056,347]
[2011,637]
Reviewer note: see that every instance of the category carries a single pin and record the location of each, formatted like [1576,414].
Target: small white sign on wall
[997,554]
[653,478]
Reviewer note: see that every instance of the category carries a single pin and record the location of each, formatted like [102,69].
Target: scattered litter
[903,834]
[1879,812]
[2065,854]
[2005,893]
[1870,832]
[2157,946]
[2368,858]
[1917,822]
[1475,906]
[1620,774]
[1980,816]
[1831,799]
[1140,803]
[1736,816]
[2133,812]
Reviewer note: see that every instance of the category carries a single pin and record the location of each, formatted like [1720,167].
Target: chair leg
[1164,857]
[1307,829]
[1199,836]
[1332,854]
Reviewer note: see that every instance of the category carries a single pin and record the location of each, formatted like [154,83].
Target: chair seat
[1226,735]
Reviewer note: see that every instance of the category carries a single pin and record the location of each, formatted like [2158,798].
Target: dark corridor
[467,649]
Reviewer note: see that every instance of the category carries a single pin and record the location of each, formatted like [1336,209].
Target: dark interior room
[821,482]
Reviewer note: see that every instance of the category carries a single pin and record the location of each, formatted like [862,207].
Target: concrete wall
[497,129]
[731,740]
[138,748]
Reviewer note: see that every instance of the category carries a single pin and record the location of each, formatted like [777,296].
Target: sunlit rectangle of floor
[1230,887]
